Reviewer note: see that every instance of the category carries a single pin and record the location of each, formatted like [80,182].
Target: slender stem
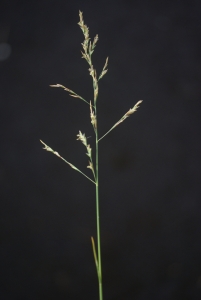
[98,219]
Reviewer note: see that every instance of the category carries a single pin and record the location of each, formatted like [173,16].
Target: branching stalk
[87,51]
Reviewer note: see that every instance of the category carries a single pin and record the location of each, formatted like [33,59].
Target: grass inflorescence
[88,47]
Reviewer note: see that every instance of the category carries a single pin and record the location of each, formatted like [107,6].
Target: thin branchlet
[71,93]
[130,112]
[47,148]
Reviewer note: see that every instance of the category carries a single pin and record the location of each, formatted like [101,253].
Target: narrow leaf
[95,255]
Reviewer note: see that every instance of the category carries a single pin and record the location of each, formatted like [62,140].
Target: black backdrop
[149,165]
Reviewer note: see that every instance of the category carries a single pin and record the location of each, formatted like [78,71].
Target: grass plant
[88,47]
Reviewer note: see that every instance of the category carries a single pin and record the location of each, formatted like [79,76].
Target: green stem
[98,219]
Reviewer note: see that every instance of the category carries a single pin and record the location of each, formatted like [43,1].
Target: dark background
[149,165]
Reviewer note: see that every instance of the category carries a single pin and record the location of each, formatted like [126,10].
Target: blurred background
[149,165]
